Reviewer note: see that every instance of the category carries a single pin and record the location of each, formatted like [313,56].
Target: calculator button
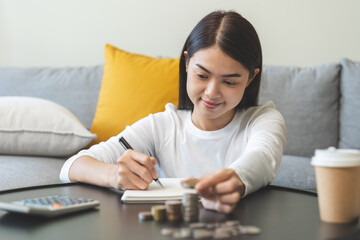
[56,205]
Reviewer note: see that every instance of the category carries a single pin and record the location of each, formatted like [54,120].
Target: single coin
[177,234]
[210,226]
[190,183]
[186,232]
[145,216]
[247,229]
[233,231]
[168,232]
[197,225]
[202,233]
[232,223]
[182,233]
[221,235]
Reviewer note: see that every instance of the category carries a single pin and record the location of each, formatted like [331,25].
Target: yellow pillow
[133,86]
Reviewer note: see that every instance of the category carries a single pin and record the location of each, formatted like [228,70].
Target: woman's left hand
[220,191]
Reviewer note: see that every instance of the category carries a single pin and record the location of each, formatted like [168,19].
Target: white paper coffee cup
[338,184]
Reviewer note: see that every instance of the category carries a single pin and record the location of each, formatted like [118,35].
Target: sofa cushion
[34,126]
[308,98]
[296,172]
[21,171]
[350,105]
[75,88]
[133,86]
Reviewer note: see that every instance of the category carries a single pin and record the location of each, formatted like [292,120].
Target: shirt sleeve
[265,133]
[139,135]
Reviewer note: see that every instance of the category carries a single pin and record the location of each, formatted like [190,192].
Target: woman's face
[215,85]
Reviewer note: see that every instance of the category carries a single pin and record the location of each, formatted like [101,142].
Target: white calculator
[49,206]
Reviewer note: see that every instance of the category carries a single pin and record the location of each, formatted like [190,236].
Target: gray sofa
[321,107]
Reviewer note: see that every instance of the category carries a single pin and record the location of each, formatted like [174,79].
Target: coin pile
[159,213]
[211,230]
[173,210]
[190,206]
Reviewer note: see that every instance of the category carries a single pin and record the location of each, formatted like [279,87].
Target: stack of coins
[159,213]
[173,210]
[190,203]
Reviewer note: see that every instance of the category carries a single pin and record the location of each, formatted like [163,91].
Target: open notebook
[155,193]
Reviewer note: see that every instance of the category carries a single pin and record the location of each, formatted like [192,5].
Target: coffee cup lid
[332,157]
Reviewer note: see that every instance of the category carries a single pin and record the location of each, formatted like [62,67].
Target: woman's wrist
[110,176]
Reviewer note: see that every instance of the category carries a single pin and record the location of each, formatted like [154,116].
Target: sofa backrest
[350,105]
[308,98]
[76,88]
[312,100]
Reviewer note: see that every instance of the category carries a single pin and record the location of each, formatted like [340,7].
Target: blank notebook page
[155,193]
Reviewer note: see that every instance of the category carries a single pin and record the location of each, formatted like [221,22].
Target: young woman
[217,134]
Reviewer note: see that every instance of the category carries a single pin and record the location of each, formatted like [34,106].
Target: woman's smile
[210,104]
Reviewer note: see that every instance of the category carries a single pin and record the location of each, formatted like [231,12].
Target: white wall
[74,32]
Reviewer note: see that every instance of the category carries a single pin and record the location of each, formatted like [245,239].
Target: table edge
[14,190]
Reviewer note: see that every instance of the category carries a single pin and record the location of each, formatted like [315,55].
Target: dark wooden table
[281,213]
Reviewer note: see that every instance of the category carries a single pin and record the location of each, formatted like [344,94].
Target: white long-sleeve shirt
[251,144]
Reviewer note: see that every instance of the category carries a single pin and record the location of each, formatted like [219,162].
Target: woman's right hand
[134,170]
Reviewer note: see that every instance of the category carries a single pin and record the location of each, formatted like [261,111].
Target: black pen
[127,146]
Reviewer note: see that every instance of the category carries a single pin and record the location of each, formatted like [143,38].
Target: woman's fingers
[221,182]
[140,170]
[145,160]
[218,206]
[210,180]
[135,170]
[153,170]
[124,183]
[220,191]
[227,186]
[230,198]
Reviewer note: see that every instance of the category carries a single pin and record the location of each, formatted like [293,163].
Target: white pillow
[34,126]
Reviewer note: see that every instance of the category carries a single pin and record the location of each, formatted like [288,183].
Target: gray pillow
[350,105]
[308,99]
[34,126]
[75,88]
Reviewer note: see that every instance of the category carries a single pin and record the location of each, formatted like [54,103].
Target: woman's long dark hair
[237,38]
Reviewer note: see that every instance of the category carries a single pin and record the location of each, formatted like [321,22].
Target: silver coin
[202,233]
[186,232]
[177,234]
[190,183]
[197,225]
[247,229]
[145,216]
[221,235]
[182,233]
[210,226]
[232,223]
[230,230]
[168,231]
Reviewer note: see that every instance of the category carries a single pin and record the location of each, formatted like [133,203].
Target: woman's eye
[229,83]
[201,76]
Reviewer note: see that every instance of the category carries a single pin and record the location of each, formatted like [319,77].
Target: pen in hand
[127,146]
